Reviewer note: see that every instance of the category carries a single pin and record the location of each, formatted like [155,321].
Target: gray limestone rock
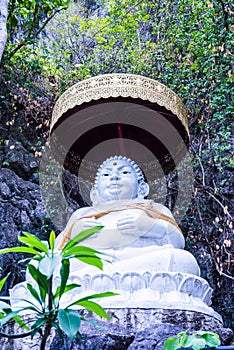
[19,201]
[154,336]
[117,337]
[106,337]
[21,161]
[21,209]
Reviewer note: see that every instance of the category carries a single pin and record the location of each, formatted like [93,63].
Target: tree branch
[221,273]
[24,42]
[225,15]
[15,336]
[107,25]
[221,204]
[48,19]
[3,28]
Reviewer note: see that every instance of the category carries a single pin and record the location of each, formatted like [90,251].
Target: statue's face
[117,180]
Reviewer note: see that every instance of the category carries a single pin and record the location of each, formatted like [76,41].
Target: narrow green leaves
[33,292]
[64,274]
[81,237]
[94,307]
[41,280]
[34,242]
[93,296]
[45,265]
[37,325]
[3,280]
[99,295]
[20,322]
[87,255]
[21,249]
[76,251]
[52,240]
[9,315]
[67,288]
[95,261]
[33,246]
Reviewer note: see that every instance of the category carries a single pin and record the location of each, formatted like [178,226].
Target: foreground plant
[196,341]
[45,303]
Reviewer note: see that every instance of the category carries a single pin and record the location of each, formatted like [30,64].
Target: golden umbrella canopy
[124,114]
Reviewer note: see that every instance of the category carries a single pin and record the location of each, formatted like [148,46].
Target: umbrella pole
[121,140]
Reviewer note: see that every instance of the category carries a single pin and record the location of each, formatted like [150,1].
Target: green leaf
[21,323]
[99,295]
[20,249]
[33,307]
[67,289]
[37,325]
[194,342]
[3,280]
[81,237]
[33,292]
[83,251]
[9,316]
[97,262]
[52,239]
[93,296]
[48,264]
[206,332]
[95,323]
[13,20]
[33,241]
[41,280]
[172,344]
[30,308]
[183,336]
[64,273]
[96,308]
[4,305]
[69,321]
[212,339]
[39,322]
[58,329]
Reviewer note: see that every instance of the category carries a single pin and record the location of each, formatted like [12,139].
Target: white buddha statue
[149,269]
[141,234]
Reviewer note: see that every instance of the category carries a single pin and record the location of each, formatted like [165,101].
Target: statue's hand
[134,225]
[89,223]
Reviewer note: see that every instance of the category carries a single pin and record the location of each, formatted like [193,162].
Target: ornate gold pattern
[120,85]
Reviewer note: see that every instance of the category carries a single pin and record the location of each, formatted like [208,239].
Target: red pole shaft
[121,141]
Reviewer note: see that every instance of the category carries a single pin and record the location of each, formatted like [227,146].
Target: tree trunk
[3,29]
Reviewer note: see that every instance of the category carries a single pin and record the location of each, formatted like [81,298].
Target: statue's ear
[93,194]
[143,190]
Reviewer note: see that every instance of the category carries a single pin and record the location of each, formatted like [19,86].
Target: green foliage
[187,48]
[45,302]
[196,341]
[26,19]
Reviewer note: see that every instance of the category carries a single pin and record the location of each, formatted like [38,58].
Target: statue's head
[119,178]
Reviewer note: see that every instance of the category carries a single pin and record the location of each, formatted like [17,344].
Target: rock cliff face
[114,337]
[120,338]
[21,209]
[119,335]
